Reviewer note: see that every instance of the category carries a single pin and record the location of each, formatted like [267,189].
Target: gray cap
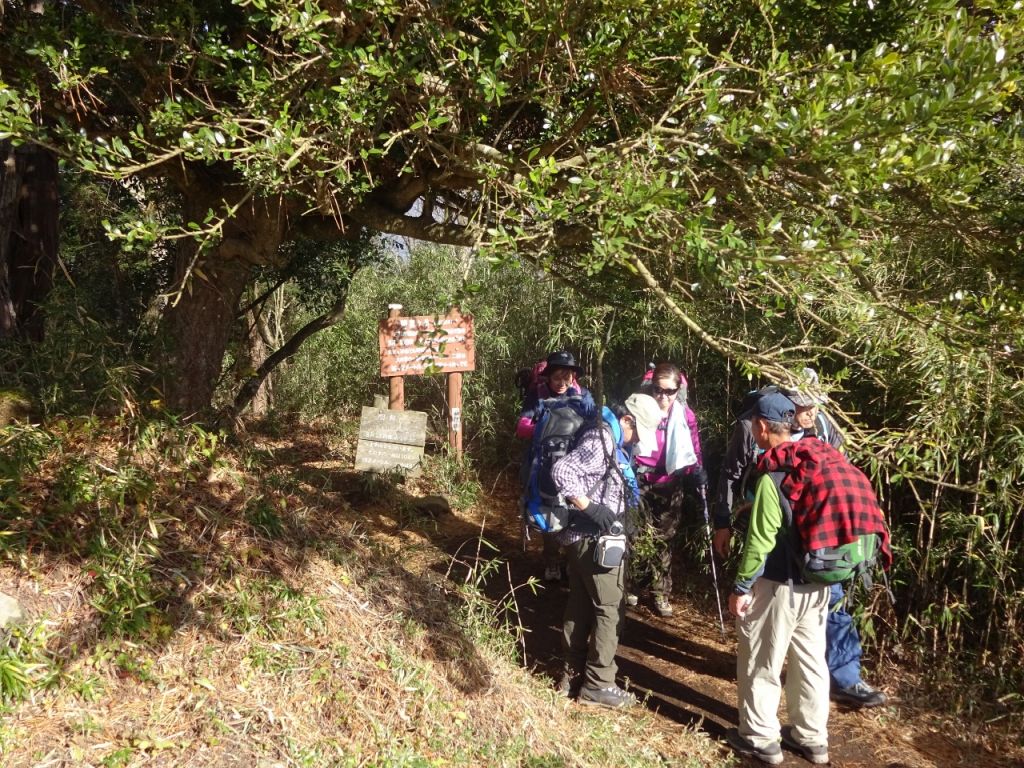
[804,397]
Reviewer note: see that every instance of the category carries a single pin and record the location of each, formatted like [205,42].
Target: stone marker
[432,506]
[390,440]
[10,610]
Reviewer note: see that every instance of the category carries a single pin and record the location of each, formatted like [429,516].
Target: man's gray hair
[777,427]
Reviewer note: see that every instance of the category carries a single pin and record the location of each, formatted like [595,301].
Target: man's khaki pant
[783,624]
[593,616]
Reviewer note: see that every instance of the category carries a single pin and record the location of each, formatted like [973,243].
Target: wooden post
[455,413]
[396,402]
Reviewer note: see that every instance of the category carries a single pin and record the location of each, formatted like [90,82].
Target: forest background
[205,208]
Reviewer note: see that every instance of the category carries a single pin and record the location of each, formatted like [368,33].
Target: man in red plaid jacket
[779,618]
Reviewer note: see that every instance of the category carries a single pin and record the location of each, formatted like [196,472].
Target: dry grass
[294,622]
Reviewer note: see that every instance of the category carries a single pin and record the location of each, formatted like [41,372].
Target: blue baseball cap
[775,406]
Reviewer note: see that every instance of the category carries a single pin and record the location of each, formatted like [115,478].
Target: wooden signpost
[423,344]
[410,346]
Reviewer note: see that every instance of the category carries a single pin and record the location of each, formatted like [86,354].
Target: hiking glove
[697,477]
[601,514]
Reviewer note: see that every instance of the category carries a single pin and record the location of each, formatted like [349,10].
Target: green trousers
[593,616]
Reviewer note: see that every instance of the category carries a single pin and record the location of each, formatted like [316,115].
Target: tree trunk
[29,212]
[197,328]
[252,385]
[258,348]
[597,378]
[9,184]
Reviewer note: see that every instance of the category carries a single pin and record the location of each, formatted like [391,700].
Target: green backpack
[830,565]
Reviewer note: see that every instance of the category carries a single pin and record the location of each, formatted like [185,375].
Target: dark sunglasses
[659,391]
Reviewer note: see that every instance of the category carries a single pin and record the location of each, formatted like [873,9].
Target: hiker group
[595,481]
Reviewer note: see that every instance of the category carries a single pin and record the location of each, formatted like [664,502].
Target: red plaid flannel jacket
[833,501]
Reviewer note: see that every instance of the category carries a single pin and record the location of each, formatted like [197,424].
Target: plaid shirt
[585,471]
[833,501]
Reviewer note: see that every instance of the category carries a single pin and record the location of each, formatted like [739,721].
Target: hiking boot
[632,600]
[569,685]
[613,697]
[552,573]
[858,695]
[817,754]
[662,606]
[772,754]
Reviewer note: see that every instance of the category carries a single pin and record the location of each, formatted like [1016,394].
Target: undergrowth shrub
[266,608]
[494,624]
[22,448]
[264,518]
[24,660]
[454,478]
[125,591]
[81,365]
[84,492]
[645,547]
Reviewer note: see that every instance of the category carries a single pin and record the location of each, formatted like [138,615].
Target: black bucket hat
[562,359]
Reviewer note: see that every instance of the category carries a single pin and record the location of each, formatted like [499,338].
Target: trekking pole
[711,552]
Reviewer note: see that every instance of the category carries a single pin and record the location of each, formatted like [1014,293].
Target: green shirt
[765,522]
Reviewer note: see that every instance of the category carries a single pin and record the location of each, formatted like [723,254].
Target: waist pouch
[610,550]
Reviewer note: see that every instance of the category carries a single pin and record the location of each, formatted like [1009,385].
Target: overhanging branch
[731,352]
[381,219]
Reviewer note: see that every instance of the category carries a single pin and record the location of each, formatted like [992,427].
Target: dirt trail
[687,669]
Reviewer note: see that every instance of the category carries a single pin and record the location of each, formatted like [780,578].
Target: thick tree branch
[252,384]
[382,219]
[731,351]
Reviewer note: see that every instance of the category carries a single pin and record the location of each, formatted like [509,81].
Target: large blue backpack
[561,422]
[622,460]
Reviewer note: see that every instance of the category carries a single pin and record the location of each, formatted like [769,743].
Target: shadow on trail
[649,657]
[673,648]
[678,702]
